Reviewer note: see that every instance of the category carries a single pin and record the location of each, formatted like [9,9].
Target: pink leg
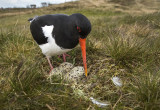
[64,56]
[50,64]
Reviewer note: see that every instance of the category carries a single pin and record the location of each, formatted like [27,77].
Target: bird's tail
[31,19]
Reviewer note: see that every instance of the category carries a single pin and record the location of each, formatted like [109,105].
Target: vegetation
[123,43]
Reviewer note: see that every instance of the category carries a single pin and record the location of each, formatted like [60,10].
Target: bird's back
[64,32]
[37,23]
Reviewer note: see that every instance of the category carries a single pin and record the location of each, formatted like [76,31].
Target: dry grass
[120,44]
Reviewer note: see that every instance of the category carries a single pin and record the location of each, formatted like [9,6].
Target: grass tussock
[146,90]
[126,49]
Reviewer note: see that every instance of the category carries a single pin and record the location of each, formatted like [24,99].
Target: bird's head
[83,26]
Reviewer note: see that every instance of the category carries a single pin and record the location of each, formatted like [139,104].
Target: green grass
[119,45]
[146,91]
[150,19]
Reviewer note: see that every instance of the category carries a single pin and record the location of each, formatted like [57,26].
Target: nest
[91,86]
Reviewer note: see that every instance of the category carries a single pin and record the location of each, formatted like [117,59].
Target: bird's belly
[51,49]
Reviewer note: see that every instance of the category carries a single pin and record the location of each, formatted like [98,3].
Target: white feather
[51,48]
[99,103]
[117,81]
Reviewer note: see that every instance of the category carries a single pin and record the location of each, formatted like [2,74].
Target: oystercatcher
[57,34]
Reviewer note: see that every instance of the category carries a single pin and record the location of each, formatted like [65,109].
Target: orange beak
[82,43]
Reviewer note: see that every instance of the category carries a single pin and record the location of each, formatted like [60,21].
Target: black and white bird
[57,34]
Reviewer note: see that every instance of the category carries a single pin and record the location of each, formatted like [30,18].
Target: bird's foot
[50,66]
[50,71]
[64,56]
[50,75]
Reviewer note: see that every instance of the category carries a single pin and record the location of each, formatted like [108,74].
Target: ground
[124,42]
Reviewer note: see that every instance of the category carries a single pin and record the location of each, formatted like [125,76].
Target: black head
[82,24]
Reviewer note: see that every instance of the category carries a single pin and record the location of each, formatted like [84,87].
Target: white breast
[51,48]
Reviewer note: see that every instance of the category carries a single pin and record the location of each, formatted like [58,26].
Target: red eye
[79,29]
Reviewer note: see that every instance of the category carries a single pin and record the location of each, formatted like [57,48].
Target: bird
[57,34]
